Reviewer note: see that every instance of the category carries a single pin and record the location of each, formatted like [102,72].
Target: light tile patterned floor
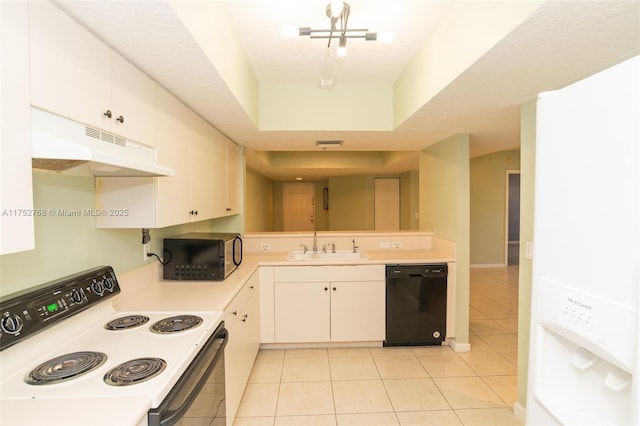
[399,386]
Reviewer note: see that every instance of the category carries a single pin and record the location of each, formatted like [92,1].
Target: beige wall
[488,184]
[351,202]
[409,200]
[259,202]
[444,209]
[527,186]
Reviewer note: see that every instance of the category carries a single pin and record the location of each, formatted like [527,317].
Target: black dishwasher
[416,312]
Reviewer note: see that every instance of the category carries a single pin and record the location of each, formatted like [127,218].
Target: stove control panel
[30,312]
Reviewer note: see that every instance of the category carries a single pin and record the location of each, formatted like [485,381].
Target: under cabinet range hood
[58,144]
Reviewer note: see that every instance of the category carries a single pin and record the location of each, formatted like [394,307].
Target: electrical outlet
[396,244]
[265,246]
[528,250]
[146,243]
[385,244]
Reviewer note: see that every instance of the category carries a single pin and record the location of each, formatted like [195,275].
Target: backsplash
[281,242]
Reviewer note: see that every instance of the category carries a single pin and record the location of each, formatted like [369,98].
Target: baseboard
[520,412]
[488,265]
[321,345]
[459,347]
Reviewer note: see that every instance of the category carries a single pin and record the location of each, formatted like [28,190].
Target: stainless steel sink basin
[298,255]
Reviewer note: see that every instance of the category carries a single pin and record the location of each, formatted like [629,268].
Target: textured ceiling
[560,43]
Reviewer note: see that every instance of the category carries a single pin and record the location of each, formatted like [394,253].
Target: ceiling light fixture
[338,12]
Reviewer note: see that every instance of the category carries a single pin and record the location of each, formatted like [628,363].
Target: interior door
[299,210]
[513,218]
[387,204]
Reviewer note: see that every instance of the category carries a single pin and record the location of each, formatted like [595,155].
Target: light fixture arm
[341,32]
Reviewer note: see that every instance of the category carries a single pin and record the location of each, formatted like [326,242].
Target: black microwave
[200,256]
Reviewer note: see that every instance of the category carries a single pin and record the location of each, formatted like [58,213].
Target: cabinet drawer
[333,273]
[235,308]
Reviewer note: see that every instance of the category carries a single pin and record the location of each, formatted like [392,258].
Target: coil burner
[176,323]
[65,367]
[129,321]
[134,371]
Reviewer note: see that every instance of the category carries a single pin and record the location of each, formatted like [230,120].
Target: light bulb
[342,47]
[336,8]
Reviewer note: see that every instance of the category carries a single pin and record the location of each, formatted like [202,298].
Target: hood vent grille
[105,136]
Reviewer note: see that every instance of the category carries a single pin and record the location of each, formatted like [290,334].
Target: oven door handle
[186,390]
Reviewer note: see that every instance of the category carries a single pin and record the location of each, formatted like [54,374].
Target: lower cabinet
[242,319]
[329,304]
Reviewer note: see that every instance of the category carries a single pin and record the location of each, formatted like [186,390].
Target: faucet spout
[315,242]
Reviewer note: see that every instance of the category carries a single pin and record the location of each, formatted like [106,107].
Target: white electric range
[65,342]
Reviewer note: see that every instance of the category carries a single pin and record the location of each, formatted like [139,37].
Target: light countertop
[159,294]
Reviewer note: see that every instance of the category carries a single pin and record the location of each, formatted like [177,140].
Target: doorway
[512,234]
[298,212]
[386,204]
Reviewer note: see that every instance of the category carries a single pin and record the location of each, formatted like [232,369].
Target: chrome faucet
[355,247]
[315,242]
[304,248]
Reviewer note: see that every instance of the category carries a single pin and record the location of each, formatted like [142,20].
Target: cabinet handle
[326,288]
[108,113]
[251,287]
[334,289]
[228,209]
[244,318]
[193,212]
[120,119]
[234,313]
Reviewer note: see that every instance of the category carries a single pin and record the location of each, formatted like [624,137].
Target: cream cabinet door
[302,312]
[357,311]
[133,102]
[233,178]
[243,344]
[173,193]
[208,172]
[16,192]
[70,68]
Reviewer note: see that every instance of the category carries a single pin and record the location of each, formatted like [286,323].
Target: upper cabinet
[75,75]
[16,192]
[202,159]
[233,168]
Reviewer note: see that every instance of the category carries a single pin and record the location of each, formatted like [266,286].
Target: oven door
[199,395]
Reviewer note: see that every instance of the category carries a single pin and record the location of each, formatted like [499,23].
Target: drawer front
[233,311]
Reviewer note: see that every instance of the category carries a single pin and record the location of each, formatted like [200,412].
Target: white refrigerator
[584,359]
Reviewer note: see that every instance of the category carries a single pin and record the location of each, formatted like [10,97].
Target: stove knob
[108,284]
[11,324]
[98,287]
[77,296]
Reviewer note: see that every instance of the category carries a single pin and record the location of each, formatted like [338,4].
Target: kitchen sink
[297,255]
